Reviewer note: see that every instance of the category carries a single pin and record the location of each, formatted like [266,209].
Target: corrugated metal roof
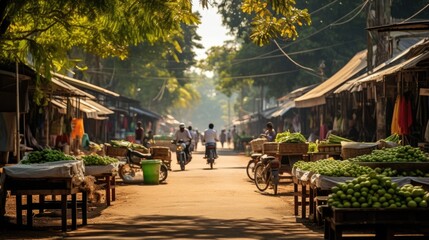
[317,95]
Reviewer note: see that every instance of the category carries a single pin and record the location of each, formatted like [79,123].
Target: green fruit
[418,199]
[356,205]
[423,203]
[412,204]
[364,205]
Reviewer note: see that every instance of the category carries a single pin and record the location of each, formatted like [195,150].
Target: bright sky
[211,30]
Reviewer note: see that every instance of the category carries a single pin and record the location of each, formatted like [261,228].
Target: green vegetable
[334,139]
[288,137]
[396,154]
[95,159]
[46,155]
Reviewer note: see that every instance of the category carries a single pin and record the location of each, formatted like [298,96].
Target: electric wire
[415,14]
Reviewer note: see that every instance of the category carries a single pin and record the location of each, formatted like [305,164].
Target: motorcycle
[211,153]
[182,157]
[132,166]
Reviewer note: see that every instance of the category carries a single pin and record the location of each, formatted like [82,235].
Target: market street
[198,203]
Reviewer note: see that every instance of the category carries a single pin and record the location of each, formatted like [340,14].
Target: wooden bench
[108,182]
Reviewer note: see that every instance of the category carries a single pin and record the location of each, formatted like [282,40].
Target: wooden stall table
[105,177]
[385,223]
[47,186]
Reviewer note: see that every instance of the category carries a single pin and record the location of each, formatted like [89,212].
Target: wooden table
[108,183]
[47,186]
[385,223]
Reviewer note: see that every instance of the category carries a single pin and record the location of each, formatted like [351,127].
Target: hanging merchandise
[394,127]
[78,130]
[405,118]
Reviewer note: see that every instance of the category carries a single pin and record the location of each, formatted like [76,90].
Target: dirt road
[198,203]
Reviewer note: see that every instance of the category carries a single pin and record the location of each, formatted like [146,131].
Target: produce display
[312,147]
[376,191]
[334,139]
[127,144]
[333,168]
[395,173]
[288,137]
[94,159]
[395,154]
[393,138]
[46,155]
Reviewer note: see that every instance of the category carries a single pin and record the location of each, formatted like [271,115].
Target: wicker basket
[293,148]
[354,152]
[256,144]
[116,151]
[270,148]
[159,152]
[329,148]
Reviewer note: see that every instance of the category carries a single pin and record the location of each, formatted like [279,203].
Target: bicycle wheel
[261,180]
[250,169]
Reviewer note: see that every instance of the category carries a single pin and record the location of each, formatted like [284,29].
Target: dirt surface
[198,203]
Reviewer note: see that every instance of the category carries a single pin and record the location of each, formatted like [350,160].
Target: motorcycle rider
[185,135]
[210,138]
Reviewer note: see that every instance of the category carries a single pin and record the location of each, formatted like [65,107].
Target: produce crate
[256,144]
[292,148]
[270,148]
[354,152]
[159,152]
[116,151]
[329,148]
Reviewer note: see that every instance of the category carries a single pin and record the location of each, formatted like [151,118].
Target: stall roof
[91,108]
[86,85]
[145,112]
[284,108]
[317,95]
[392,65]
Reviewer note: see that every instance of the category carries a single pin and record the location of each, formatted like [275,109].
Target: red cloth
[405,118]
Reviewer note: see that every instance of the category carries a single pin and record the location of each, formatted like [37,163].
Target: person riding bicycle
[185,135]
[210,138]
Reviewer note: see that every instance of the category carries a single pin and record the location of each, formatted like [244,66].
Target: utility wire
[312,34]
[415,14]
[363,6]
[297,64]
[327,5]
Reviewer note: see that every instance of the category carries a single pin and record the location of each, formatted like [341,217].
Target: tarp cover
[101,169]
[58,169]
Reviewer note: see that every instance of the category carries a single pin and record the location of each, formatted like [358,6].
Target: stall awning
[410,63]
[145,112]
[86,85]
[317,95]
[90,108]
[284,108]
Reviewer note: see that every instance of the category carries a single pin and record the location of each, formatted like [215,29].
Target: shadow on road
[188,227]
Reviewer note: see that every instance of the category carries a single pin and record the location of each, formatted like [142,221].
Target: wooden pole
[17,137]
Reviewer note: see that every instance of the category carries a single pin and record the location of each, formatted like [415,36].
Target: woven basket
[256,144]
[116,151]
[270,148]
[329,148]
[354,152]
[293,148]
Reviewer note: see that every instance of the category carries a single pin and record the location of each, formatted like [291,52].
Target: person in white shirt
[185,135]
[210,138]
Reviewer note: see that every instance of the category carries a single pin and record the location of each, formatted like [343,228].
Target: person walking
[222,137]
[139,133]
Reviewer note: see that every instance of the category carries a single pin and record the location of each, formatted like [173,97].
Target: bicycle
[250,169]
[267,172]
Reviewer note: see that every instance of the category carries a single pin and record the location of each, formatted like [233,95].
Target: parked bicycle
[267,172]
[250,169]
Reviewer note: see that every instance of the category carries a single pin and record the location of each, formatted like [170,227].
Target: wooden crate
[270,148]
[293,148]
[159,152]
[329,148]
[116,151]
[354,152]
